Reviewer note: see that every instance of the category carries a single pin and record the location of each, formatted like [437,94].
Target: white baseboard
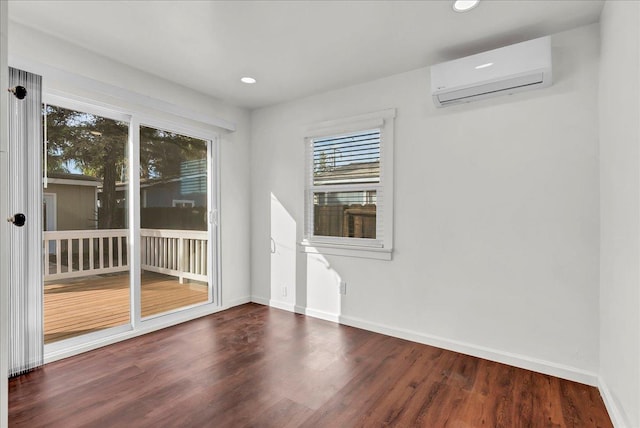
[285,306]
[509,358]
[615,413]
[260,300]
[297,309]
[236,302]
[328,316]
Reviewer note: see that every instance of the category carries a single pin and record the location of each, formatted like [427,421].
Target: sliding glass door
[113,189]
[174,221]
[86,269]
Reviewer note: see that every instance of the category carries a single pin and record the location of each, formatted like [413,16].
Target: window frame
[184,203]
[382,246]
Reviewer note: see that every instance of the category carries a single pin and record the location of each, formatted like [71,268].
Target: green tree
[91,144]
[162,153]
[96,146]
[322,165]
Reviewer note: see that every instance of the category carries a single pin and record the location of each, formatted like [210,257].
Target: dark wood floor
[262,367]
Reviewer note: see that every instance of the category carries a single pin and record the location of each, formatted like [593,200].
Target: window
[183,203]
[349,189]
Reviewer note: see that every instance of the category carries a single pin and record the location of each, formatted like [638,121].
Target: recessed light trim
[465,5]
[248,80]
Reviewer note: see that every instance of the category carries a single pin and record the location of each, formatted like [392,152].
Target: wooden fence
[352,221]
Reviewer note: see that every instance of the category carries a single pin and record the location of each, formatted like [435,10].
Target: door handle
[273,246]
[17,219]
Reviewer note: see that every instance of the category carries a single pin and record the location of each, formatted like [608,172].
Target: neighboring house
[170,203]
[348,213]
[70,202]
[186,191]
[175,193]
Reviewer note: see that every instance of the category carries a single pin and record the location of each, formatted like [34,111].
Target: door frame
[4,225]
[138,326]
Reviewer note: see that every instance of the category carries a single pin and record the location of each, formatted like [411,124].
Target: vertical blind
[26,347]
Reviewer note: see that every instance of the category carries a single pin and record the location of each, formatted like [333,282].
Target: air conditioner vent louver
[507,70]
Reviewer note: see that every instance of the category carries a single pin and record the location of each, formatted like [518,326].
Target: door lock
[17,219]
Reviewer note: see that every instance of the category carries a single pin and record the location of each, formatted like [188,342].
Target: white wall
[496,227]
[620,210]
[30,48]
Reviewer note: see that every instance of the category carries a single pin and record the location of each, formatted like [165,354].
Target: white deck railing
[77,253]
[181,253]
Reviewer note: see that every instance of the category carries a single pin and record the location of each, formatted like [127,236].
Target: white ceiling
[293,48]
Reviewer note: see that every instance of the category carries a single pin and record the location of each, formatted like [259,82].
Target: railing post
[91,259]
[58,256]
[81,254]
[181,260]
[45,269]
[143,250]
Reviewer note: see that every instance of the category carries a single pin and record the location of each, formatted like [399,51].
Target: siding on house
[163,194]
[75,206]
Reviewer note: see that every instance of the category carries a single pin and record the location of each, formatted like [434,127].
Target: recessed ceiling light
[248,80]
[464,5]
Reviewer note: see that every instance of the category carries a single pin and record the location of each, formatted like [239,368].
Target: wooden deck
[85,305]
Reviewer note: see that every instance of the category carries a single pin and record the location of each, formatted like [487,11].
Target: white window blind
[347,159]
[344,197]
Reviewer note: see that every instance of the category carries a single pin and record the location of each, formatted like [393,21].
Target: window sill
[345,250]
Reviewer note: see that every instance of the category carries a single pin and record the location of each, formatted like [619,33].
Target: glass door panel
[86,264]
[174,233]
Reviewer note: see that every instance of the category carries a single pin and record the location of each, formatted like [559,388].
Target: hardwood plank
[85,305]
[283,414]
[254,366]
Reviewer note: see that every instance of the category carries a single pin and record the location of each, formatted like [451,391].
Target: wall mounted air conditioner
[502,71]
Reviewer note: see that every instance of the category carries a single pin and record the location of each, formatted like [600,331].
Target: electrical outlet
[284,291]
[343,287]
